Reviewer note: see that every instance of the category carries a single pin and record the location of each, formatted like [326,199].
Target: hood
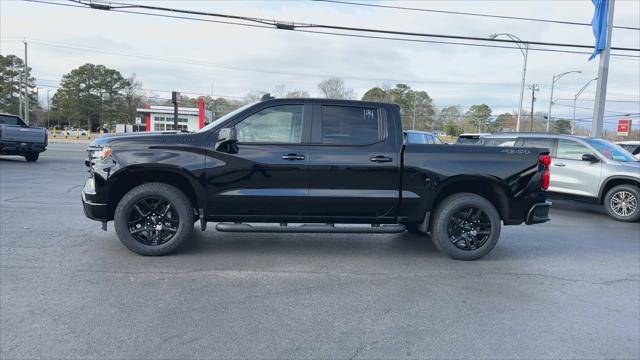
[137,136]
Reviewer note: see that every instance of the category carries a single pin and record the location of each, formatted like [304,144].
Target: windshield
[611,151]
[224,118]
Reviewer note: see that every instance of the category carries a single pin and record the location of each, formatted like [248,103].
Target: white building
[160,118]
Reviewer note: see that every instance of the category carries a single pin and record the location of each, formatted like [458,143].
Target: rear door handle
[559,164]
[380,159]
[292,157]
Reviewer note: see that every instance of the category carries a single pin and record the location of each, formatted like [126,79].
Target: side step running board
[311,228]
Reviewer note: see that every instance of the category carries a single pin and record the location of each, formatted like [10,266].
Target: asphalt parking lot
[566,289]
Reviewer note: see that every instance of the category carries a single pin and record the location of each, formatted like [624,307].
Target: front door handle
[559,164]
[292,157]
[380,159]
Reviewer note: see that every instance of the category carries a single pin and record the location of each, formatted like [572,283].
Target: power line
[294,26]
[592,100]
[269,71]
[618,56]
[470,14]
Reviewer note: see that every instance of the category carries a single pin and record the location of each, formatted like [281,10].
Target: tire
[154,219]
[464,234]
[32,156]
[622,203]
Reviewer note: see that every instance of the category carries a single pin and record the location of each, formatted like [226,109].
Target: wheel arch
[613,181]
[126,179]
[491,188]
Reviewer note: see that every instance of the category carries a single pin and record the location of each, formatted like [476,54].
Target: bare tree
[254,96]
[297,94]
[334,88]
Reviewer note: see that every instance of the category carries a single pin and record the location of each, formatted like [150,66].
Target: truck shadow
[214,242]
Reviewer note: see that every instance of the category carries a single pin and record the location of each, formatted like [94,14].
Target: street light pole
[524,49]
[575,100]
[553,83]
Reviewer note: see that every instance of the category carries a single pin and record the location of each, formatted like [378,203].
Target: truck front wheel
[466,226]
[154,219]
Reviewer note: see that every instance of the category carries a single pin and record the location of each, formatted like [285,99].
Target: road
[569,288]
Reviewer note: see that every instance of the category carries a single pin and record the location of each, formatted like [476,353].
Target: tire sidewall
[177,199]
[628,188]
[452,205]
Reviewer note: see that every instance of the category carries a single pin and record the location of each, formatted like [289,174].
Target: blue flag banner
[599,24]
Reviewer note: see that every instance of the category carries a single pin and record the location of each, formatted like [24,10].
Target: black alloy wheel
[469,228]
[153,221]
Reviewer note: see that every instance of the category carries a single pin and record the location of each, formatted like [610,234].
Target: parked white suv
[585,169]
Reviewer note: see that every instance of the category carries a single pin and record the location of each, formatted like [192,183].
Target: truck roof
[534,135]
[325,101]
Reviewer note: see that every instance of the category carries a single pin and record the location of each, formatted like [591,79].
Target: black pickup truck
[311,165]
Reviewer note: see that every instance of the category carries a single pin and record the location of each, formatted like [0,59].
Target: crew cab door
[268,174]
[354,162]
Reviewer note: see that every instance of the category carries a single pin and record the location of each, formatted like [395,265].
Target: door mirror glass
[227,140]
[590,158]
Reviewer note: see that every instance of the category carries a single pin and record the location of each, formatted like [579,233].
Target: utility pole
[48,108]
[534,88]
[413,125]
[175,99]
[603,76]
[26,86]
[213,105]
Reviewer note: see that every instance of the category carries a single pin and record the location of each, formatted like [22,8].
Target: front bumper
[538,213]
[94,211]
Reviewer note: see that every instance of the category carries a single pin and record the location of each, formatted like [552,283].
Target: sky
[203,58]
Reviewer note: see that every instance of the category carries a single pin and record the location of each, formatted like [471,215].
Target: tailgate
[22,134]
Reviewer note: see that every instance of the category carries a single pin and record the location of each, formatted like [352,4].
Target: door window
[350,125]
[277,124]
[571,150]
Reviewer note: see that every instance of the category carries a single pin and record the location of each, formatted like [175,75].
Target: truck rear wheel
[466,226]
[32,156]
[622,203]
[154,219]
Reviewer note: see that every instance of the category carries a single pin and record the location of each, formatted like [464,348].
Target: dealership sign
[624,125]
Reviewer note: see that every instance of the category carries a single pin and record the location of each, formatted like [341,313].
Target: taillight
[545,161]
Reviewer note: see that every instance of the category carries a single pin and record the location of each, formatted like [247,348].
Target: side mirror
[227,139]
[590,158]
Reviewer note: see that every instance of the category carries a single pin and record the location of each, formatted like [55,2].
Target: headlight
[101,154]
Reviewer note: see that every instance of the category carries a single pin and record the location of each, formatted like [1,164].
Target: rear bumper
[20,148]
[94,211]
[538,213]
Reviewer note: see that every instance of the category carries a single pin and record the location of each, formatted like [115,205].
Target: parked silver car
[585,169]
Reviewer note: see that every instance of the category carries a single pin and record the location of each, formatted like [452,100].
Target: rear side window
[535,142]
[10,120]
[571,150]
[351,125]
